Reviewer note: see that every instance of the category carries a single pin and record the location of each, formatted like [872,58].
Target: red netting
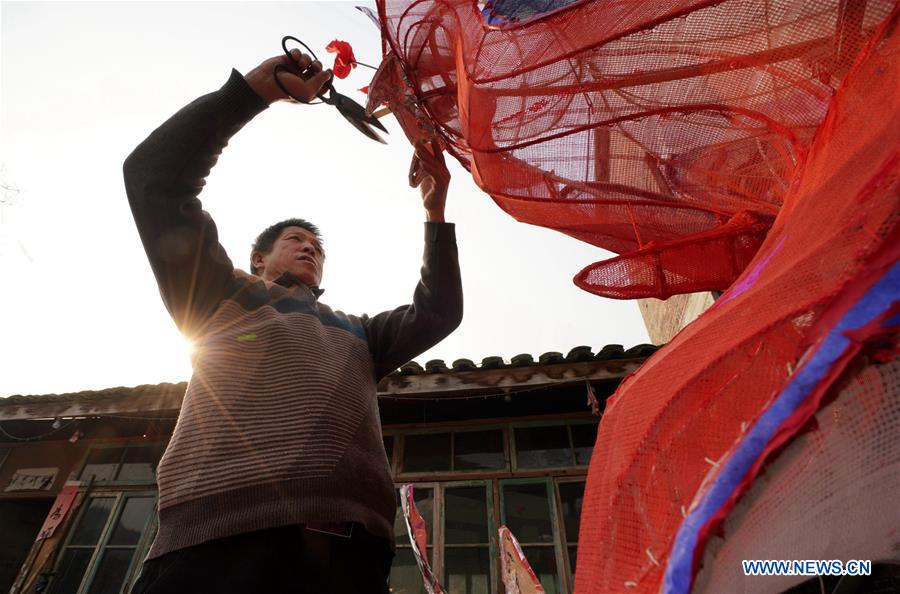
[820,499]
[667,132]
[678,419]
[692,138]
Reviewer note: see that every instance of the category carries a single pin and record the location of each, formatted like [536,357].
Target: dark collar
[289,280]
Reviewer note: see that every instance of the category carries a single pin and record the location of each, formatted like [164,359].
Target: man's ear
[258,262]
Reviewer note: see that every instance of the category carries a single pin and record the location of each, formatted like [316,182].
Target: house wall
[59,454]
[430,403]
[21,520]
[664,319]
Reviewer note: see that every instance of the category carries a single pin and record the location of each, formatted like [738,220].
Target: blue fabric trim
[498,12]
[872,304]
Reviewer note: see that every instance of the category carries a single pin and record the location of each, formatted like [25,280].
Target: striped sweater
[279,424]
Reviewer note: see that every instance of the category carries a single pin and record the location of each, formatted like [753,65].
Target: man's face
[296,251]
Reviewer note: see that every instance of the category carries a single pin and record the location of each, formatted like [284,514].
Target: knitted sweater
[279,424]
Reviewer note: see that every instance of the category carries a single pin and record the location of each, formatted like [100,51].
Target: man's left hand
[429,173]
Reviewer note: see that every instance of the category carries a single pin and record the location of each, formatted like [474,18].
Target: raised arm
[165,174]
[436,310]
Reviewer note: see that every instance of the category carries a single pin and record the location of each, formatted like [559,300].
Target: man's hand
[304,78]
[429,173]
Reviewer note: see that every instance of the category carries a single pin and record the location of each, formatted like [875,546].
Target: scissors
[352,111]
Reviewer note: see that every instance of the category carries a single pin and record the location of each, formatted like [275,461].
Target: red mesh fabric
[655,130]
[821,497]
[674,134]
[672,424]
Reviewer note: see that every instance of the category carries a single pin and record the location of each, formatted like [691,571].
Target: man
[276,478]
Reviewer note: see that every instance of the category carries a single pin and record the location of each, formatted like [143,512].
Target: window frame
[512,426]
[565,543]
[124,446]
[436,529]
[140,548]
[399,437]
[510,450]
[555,517]
[493,568]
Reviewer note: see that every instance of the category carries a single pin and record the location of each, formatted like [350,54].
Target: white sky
[84,83]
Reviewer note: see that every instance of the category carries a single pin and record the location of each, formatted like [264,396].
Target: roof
[436,378]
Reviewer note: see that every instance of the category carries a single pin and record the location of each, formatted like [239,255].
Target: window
[542,447]
[461,527]
[550,446]
[405,575]
[457,451]
[427,452]
[571,497]
[136,463]
[100,553]
[478,450]
[462,513]
[527,509]
[467,549]
[584,436]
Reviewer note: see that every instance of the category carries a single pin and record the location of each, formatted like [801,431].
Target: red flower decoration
[344,61]
[365,90]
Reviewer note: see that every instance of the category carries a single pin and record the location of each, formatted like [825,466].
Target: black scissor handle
[280,67]
[287,52]
[350,109]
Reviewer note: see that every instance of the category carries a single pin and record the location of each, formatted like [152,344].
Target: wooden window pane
[465,515]
[71,570]
[583,439]
[468,570]
[428,452]
[571,496]
[111,573]
[424,500]
[132,520]
[478,450]
[527,512]
[140,463]
[405,575]
[92,522]
[102,464]
[542,447]
[543,563]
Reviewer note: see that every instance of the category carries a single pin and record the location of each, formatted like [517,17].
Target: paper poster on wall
[58,512]
[32,479]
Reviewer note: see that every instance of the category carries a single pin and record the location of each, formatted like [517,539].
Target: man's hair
[266,240]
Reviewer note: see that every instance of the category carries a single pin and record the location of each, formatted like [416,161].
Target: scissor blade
[351,109]
[372,120]
[364,128]
[369,119]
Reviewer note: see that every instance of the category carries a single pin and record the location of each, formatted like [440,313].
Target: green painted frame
[561,522]
[120,497]
[559,546]
[494,569]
